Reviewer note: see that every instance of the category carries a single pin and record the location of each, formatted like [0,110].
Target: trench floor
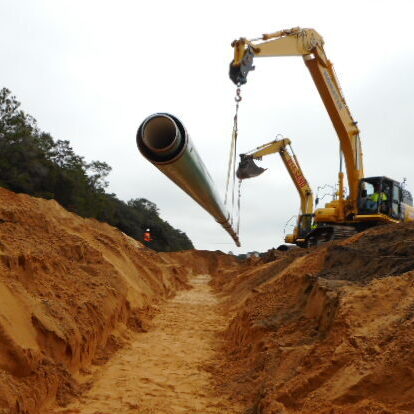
[163,371]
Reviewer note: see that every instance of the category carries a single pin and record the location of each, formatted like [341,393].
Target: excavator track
[326,234]
[342,232]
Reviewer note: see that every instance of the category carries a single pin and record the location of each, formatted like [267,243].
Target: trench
[165,369]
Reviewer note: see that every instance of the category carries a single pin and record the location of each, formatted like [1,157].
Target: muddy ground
[93,322]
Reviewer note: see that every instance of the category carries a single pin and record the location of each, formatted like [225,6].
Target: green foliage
[32,162]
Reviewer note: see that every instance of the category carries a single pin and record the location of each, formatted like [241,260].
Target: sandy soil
[91,318]
[327,330]
[164,370]
[68,286]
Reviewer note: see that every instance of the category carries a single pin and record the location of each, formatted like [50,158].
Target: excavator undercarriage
[328,233]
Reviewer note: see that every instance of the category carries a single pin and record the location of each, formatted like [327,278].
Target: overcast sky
[91,71]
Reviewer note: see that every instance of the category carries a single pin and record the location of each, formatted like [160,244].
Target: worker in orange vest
[147,236]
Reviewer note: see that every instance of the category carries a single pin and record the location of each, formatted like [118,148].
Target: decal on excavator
[333,89]
[300,179]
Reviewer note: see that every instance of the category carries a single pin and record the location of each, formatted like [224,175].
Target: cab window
[369,188]
[396,193]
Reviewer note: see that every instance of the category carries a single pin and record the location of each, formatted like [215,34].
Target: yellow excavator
[247,169]
[371,200]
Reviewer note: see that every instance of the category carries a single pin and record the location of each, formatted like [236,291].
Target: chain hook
[238,97]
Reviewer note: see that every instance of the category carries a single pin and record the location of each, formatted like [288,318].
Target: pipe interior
[160,133]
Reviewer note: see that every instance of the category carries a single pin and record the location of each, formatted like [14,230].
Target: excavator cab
[305,225]
[380,195]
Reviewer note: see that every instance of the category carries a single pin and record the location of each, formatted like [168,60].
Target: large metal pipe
[163,140]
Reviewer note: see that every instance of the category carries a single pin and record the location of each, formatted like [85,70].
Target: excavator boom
[247,170]
[309,44]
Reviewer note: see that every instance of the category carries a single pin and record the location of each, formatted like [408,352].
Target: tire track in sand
[161,371]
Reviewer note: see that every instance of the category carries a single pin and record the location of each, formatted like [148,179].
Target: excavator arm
[309,44]
[293,167]
[291,42]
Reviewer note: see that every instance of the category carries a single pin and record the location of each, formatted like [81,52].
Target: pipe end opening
[160,133]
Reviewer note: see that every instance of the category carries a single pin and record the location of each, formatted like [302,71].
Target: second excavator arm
[293,167]
[309,44]
[248,169]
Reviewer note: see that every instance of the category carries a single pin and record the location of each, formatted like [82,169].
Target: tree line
[32,162]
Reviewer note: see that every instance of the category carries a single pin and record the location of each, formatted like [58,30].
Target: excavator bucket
[247,168]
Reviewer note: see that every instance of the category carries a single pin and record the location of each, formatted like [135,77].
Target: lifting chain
[238,207]
[231,172]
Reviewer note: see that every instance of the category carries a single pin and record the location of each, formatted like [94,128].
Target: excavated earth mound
[70,288]
[326,330]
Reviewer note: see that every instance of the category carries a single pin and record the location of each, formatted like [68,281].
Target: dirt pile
[326,330]
[163,370]
[69,287]
[203,261]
